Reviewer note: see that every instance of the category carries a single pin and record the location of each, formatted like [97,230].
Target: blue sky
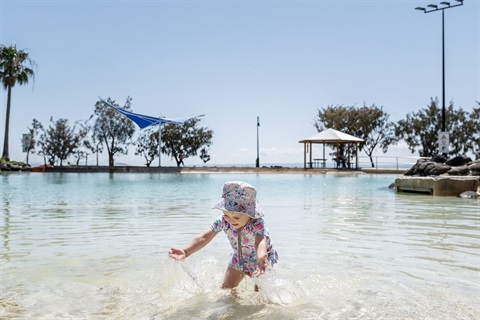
[236,60]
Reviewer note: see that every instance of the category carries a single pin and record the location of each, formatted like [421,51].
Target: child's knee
[232,278]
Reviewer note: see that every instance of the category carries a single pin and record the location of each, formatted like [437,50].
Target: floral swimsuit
[243,243]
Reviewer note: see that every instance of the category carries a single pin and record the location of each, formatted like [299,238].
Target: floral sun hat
[239,196]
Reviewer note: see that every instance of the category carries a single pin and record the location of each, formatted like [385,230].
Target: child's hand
[261,266]
[177,254]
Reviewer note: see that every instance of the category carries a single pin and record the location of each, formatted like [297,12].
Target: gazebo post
[304,155]
[311,151]
[356,155]
[324,160]
[348,151]
[337,157]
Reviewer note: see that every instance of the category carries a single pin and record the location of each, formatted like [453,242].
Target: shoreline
[220,169]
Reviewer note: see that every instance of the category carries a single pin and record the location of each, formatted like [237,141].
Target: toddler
[245,228]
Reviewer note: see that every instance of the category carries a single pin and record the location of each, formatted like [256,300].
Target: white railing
[387,162]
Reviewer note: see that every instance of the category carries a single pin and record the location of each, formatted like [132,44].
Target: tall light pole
[257,164]
[434,8]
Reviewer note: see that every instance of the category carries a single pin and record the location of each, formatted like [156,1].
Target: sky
[235,61]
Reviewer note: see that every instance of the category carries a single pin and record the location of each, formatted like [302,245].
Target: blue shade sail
[144,121]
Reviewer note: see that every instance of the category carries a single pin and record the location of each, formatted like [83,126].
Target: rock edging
[439,165]
[13,166]
[458,176]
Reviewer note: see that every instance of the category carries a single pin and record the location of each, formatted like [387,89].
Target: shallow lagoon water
[94,246]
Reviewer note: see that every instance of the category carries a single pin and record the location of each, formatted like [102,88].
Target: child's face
[236,219]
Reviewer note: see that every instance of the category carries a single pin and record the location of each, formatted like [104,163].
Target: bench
[319,163]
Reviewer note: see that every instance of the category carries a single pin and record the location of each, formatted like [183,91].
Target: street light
[436,8]
[257,164]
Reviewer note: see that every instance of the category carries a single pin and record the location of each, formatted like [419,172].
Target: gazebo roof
[331,136]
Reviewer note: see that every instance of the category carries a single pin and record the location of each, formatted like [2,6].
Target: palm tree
[15,67]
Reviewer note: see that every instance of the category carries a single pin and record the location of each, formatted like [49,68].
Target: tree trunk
[28,152]
[111,162]
[7,125]
[371,161]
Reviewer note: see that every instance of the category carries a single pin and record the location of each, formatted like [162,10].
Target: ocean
[94,246]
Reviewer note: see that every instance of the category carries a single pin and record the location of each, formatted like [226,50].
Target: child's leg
[232,278]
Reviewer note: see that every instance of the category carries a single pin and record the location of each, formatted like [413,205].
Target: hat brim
[258,209]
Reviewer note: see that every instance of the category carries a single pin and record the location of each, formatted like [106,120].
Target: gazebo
[328,136]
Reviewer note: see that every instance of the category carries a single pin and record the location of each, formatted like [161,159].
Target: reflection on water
[93,246]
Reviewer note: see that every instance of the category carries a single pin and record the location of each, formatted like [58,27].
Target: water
[94,246]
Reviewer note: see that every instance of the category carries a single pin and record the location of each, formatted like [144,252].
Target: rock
[13,166]
[436,169]
[428,168]
[418,168]
[5,166]
[439,158]
[424,166]
[456,166]
[470,194]
[474,168]
[458,161]
[459,171]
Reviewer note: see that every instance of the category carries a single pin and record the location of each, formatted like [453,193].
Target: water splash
[279,291]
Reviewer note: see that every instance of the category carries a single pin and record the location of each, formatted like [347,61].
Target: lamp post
[434,8]
[257,164]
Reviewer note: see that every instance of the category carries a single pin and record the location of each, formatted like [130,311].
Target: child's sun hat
[239,196]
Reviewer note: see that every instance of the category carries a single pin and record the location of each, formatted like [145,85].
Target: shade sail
[331,136]
[144,121]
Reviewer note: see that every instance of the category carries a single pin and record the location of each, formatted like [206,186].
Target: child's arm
[196,244]
[261,250]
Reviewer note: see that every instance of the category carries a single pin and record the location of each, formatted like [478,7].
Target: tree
[335,117]
[368,122]
[420,130]
[147,145]
[15,67]
[94,144]
[34,132]
[474,127]
[113,129]
[60,141]
[187,138]
[84,144]
[460,131]
[375,129]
